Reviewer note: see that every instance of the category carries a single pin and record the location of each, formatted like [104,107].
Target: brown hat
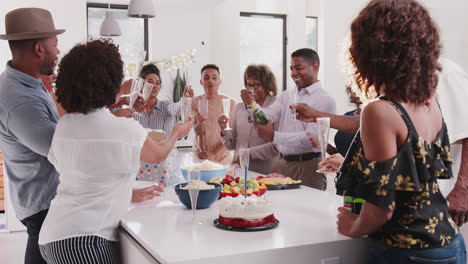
[29,23]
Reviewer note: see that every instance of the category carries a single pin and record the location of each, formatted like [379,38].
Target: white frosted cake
[244,212]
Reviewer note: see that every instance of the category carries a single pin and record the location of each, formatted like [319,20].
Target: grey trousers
[304,171]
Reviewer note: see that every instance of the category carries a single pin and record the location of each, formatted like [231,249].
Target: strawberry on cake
[241,212]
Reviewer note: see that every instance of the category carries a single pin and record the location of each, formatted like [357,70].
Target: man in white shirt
[298,158]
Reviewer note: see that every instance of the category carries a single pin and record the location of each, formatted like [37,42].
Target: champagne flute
[135,90]
[193,177]
[186,111]
[227,111]
[146,90]
[244,157]
[203,107]
[323,131]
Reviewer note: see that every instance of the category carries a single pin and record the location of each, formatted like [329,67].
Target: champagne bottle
[258,116]
[353,204]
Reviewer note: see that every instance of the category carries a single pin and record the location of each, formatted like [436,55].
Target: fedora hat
[29,23]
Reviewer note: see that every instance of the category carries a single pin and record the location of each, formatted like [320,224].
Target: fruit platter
[234,186]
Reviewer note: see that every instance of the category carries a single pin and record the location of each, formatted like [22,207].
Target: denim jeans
[453,253]
[33,225]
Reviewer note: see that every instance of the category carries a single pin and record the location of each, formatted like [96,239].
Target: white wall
[69,15]
[337,16]
[174,31]
[224,46]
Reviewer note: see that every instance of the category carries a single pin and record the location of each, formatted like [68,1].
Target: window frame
[316,31]
[285,36]
[120,7]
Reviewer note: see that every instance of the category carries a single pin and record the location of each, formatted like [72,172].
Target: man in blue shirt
[28,116]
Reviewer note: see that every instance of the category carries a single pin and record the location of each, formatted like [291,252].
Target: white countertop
[164,228]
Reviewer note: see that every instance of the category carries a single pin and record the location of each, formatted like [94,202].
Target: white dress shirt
[97,156]
[291,136]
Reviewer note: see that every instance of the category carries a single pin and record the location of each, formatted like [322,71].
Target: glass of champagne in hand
[323,131]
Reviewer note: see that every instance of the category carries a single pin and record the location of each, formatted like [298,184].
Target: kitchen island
[163,232]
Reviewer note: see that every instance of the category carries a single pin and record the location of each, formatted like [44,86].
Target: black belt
[300,157]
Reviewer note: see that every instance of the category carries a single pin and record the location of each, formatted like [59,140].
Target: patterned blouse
[406,184]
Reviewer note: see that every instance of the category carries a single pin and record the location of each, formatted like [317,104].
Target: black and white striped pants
[85,249]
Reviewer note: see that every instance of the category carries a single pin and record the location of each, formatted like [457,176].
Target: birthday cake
[244,212]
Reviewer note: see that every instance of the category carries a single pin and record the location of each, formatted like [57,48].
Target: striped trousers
[84,249]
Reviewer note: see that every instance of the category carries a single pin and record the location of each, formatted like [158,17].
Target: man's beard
[47,66]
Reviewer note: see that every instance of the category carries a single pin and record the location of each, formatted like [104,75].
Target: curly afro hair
[395,43]
[89,77]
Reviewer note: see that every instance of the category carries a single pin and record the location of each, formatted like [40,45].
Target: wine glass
[203,107]
[186,110]
[323,131]
[244,157]
[293,99]
[227,111]
[193,177]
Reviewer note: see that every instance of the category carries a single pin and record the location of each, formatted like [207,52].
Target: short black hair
[89,77]
[149,69]
[210,66]
[22,44]
[308,55]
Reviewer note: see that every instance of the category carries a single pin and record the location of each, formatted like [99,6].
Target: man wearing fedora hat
[28,116]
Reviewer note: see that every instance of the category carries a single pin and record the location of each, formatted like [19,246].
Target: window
[134,38]
[311,32]
[263,41]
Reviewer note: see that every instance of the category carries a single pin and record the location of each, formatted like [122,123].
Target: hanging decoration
[173,63]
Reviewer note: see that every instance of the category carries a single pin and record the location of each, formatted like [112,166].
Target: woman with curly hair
[160,114]
[97,155]
[263,153]
[402,148]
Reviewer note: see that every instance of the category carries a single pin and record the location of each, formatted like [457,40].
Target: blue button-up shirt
[28,116]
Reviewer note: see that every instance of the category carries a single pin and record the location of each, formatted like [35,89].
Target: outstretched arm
[379,140]
[344,123]
[154,153]
[458,197]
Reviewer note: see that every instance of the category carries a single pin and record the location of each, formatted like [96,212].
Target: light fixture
[141,9]
[109,26]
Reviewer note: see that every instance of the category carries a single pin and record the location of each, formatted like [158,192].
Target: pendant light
[109,26]
[141,9]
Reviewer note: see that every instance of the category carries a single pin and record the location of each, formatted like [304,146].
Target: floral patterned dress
[406,184]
